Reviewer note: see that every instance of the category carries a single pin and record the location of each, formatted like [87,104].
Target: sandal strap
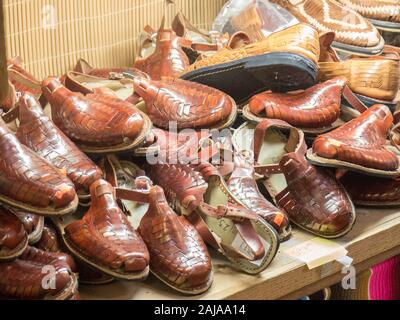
[353,100]
[242,219]
[211,239]
[132,195]
[296,144]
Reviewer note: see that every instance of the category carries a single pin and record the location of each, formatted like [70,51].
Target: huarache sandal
[311,196]
[316,110]
[369,191]
[23,278]
[178,102]
[200,193]
[33,225]
[30,183]
[168,59]
[49,242]
[383,14]
[104,238]
[98,123]
[359,145]
[242,183]
[354,33]
[39,133]
[285,61]
[13,237]
[188,270]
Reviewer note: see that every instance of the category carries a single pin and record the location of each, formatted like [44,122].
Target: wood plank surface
[374,238]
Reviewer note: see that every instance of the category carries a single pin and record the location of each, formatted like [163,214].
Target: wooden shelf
[374,238]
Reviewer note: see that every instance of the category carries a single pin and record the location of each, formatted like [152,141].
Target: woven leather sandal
[23,278]
[374,77]
[242,183]
[30,183]
[178,255]
[354,34]
[49,241]
[316,110]
[38,132]
[13,237]
[285,61]
[369,191]
[383,14]
[33,225]
[188,104]
[310,196]
[99,123]
[200,193]
[359,145]
[87,275]
[104,239]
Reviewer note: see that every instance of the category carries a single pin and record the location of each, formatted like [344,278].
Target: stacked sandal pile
[265,134]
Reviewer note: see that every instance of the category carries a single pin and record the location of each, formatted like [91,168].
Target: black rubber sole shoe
[244,78]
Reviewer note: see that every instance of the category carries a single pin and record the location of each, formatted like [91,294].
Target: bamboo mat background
[51,35]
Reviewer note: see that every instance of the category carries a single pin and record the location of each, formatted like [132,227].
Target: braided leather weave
[12,234]
[316,107]
[23,280]
[58,259]
[328,15]
[299,39]
[374,77]
[105,236]
[39,133]
[27,178]
[361,141]
[97,120]
[30,221]
[313,198]
[243,185]
[180,183]
[178,254]
[191,105]
[168,60]
[385,10]
[49,240]
[363,188]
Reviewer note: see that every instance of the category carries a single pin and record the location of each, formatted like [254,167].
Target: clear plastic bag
[258,18]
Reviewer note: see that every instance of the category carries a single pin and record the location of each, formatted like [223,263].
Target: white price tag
[317,252]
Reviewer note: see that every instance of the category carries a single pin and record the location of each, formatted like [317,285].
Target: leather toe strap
[296,143]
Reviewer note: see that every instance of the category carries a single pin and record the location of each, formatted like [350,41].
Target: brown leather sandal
[33,225]
[359,145]
[30,183]
[311,196]
[316,110]
[23,278]
[200,193]
[104,239]
[178,255]
[242,183]
[38,132]
[107,125]
[13,237]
